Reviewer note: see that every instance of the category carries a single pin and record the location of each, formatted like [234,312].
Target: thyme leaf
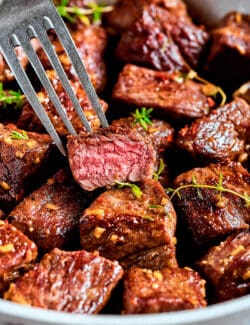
[134,188]
[160,170]
[149,218]
[17,135]
[219,187]
[208,88]
[11,97]
[155,206]
[143,117]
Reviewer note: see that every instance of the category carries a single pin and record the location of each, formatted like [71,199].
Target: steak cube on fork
[20,21]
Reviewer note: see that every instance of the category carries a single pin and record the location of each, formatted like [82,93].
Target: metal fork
[21,20]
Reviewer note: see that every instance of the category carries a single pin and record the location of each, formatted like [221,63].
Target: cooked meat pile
[152,213]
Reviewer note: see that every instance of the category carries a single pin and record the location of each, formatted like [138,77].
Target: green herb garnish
[11,97]
[160,170]
[135,189]
[155,206]
[74,12]
[17,135]
[143,117]
[208,89]
[149,218]
[218,187]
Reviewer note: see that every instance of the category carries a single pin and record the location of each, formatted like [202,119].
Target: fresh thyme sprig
[11,97]
[209,89]
[143,116]
[160,170]
[218,187]
[134,188]
[71,13]
[19,136]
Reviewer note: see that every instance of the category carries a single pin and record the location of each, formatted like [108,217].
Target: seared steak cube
[159,133]
[152,258]
[23,156]
[78,282]
[91,43]
[227,267]
[162,40]
[147,291]
[221,135]
[29,121]
[111,155]
[5,72]
[229,57]
[211,214]
[17,253]
[168,93]
[118,223]
[125,12]
[50,215]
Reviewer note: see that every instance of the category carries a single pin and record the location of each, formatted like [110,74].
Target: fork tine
[52,56]
[78,65]
[39,69]
[28,90]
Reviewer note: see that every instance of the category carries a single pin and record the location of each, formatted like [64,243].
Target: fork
[22,20]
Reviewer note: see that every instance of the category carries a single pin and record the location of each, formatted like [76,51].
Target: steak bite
[153,258]
[126,12]
[227,267]
[229,57]
[77,282]
[168,93]
[91,43]
[221,135]
[23,156]
[111,155]
[147,291]
[50,215]
[29,121]
[119,224]
[17,253]
[162,40]
[211,214]
[159,133]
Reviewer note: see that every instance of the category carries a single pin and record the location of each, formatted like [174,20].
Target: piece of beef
[50,215]
[229,57]
[162,40]
[29,121]
[153,258]
[23,156]
[147,291]
[168,93]
[91,42]
[78,282]
[119,224]
[111,155]
[126,12]
[221,135]
[159,133]
[17,253]
[208,214]
[5,72]
[227,267]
